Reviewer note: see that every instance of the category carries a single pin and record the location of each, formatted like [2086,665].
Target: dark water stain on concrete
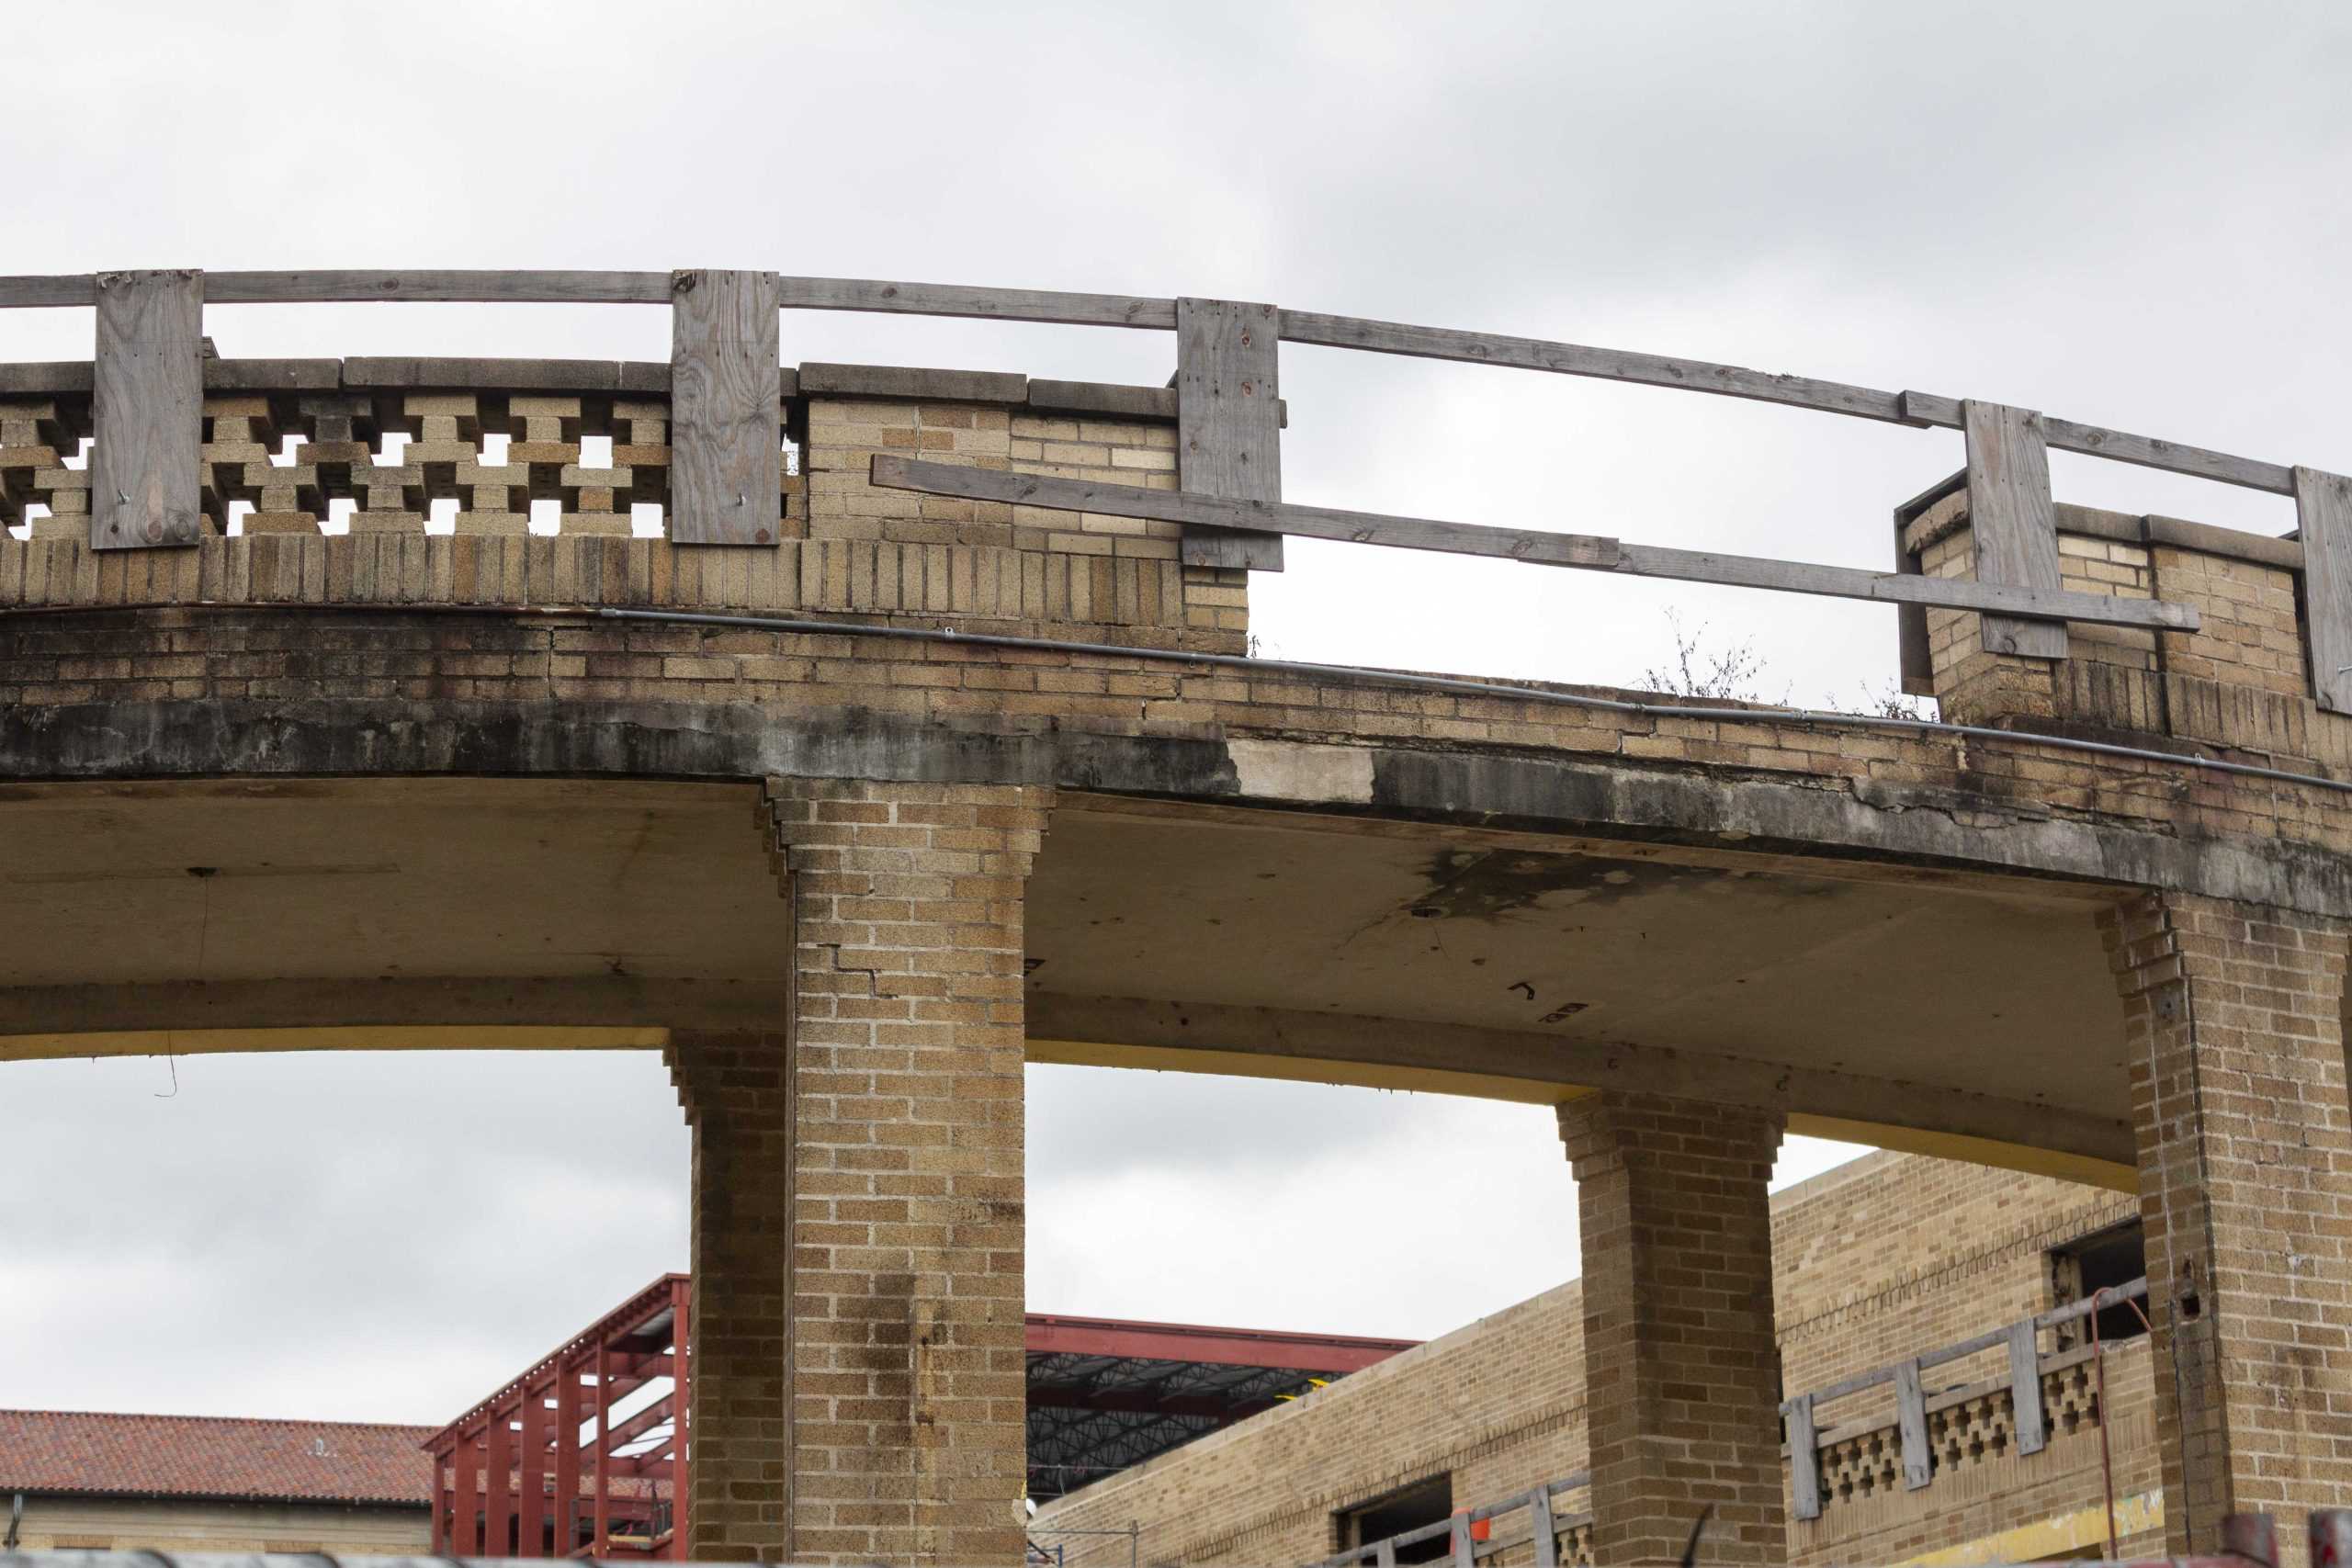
[1487,885]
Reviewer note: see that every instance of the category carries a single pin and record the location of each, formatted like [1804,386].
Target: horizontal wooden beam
[2146,451]
[987,304]
[1920,409]
[1062,308]
[1576,359]
[463,287]
[1585,552]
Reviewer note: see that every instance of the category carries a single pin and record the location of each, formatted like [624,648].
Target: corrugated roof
[206,1456]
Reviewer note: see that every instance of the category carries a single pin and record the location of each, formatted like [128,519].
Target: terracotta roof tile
[202,1456]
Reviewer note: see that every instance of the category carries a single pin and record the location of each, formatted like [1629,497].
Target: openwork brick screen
[394,447]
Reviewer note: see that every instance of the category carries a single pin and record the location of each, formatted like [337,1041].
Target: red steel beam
[531,1517]
[682,1394]
[498,1496]
[1146,1404]
[464,1514]
[603,1481]
[567,1457]
[1197,1342]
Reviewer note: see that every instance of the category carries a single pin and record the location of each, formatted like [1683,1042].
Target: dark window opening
[2103,1259]
[1423,1503]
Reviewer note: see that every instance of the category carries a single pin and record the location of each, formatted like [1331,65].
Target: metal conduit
[1461,687]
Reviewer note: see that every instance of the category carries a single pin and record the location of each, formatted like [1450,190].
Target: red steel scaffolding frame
[516,1457]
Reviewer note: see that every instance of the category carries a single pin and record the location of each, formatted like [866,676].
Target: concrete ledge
[1626,800]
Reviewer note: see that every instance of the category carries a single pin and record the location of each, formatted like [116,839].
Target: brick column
[1682,1369]
[908,1358]
[737,1090]
[2236,1047]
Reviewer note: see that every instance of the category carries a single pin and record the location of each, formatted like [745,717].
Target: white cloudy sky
[2128,214]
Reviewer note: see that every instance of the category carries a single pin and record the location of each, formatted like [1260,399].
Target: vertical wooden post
[725,408]
[680,1406]
[1228,422]
[2013,519]
[531,1488]
[603,1448]
[2323,524]
[567,1457]
[147,409]
[1539,1519]
[1911,1416]
[2028,1430]
[1804,1457]
[1466,1554]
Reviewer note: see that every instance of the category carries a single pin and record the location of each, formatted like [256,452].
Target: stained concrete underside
[1864,998]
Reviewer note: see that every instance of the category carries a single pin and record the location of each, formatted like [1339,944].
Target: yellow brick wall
[1880,1260]
[1498,1406]
[164,1524]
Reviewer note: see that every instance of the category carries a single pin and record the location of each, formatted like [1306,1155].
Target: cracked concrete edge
[1612,797]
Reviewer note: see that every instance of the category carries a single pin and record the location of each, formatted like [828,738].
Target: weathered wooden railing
[1473,1534]
[2013,1413]
[724,402]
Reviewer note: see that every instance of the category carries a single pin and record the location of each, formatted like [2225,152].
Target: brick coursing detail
[1681,1373]
[2234,1018]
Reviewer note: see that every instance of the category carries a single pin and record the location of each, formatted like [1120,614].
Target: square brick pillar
[1682,1374]
[2236,1047]
[737,1090]
[907,1354]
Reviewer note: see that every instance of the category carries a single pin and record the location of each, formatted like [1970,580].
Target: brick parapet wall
[2240,682]
[848,547]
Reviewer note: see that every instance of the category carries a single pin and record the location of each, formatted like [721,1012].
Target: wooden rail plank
[1229,439]
[1577,359]
[439,286]
[2028,1428]
[1804,1457]
[1911,1418]
[2323,518]
[1045,305]
[2143,451]
[1063,307]
[724,409]
[2012,519]
[1583,551]
[65,289]
[147,403]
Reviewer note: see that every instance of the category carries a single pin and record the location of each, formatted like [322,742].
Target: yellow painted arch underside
[2110,1174]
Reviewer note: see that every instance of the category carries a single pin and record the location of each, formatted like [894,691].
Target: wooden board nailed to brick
[725,412]
[2014,522]
[2323,515]
[147,407]
[1228,422]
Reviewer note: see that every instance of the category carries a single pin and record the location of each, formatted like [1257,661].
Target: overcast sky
[2126,214]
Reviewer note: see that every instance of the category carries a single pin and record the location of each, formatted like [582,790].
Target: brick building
[932,752]
[1875,1262]
[210,1483]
